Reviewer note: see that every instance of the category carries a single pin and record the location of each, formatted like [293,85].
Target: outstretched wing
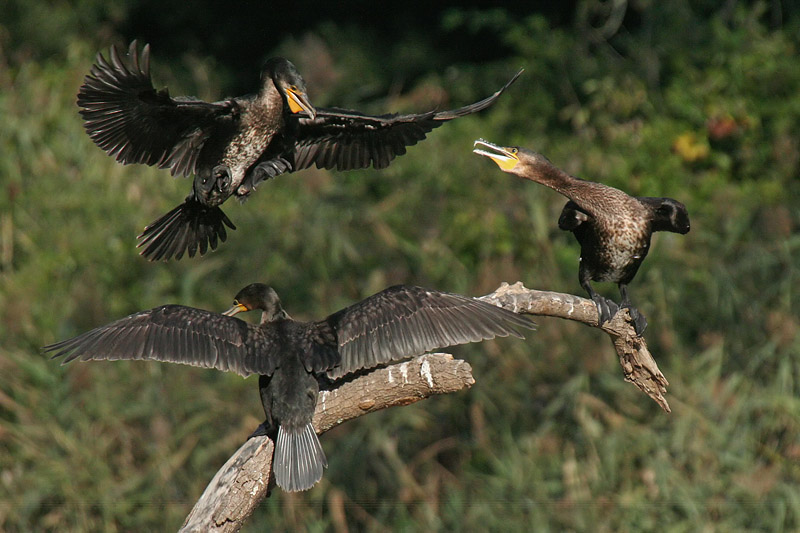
[125,116]
[404,321]
[347,140]
[177,334]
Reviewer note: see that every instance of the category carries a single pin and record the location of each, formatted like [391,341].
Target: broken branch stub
[638,365]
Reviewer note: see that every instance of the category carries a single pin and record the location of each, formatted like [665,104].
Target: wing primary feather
[471,326]
[169,333]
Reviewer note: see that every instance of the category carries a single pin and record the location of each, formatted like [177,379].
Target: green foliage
[550,438]
[43,30]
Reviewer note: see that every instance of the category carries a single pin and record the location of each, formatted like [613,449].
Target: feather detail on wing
[177,334]
[125,116]
[347,140]
[405,321]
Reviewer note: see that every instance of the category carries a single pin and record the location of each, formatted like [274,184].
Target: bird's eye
[514,150]
[293,88]
[236,302]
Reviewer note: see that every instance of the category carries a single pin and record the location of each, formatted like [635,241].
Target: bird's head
[258,296]
[289,83]
[671,215]
[512,159]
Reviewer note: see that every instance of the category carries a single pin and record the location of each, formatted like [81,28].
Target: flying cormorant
[613,228]
[234,144]
[292,357]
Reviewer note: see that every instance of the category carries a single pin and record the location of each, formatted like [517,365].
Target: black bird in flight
[292,357]
[613,228]
[234,144]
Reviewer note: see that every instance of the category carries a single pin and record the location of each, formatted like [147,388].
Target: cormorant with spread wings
[232,145]
[291,357]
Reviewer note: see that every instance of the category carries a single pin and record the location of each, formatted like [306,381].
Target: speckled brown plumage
[613,228]
[290,356]
[233,145]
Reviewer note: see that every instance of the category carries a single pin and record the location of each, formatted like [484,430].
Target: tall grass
[550,437]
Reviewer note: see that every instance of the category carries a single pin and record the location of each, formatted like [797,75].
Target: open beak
[238,308]
[298,101]
[506,158]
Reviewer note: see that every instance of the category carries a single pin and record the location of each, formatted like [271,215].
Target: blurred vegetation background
[699,101]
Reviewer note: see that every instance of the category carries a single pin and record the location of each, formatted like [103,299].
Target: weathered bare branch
[638,365]
[244,480]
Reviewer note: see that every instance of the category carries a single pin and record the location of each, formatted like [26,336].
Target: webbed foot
[263,429]
[262,172]
[606,309]
[639,320]
[219,178]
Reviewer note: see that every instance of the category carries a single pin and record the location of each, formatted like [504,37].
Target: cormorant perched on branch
[234,144]
[291,357]
[613,228]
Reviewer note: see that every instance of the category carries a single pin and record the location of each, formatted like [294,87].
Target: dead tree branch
[638,366]
[244,480]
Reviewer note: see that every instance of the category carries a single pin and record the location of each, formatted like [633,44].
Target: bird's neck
[268,317]
[269,98]
[595,198]
[558,180]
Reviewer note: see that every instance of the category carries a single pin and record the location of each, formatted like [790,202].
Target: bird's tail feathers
[299,459]
[190,227]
